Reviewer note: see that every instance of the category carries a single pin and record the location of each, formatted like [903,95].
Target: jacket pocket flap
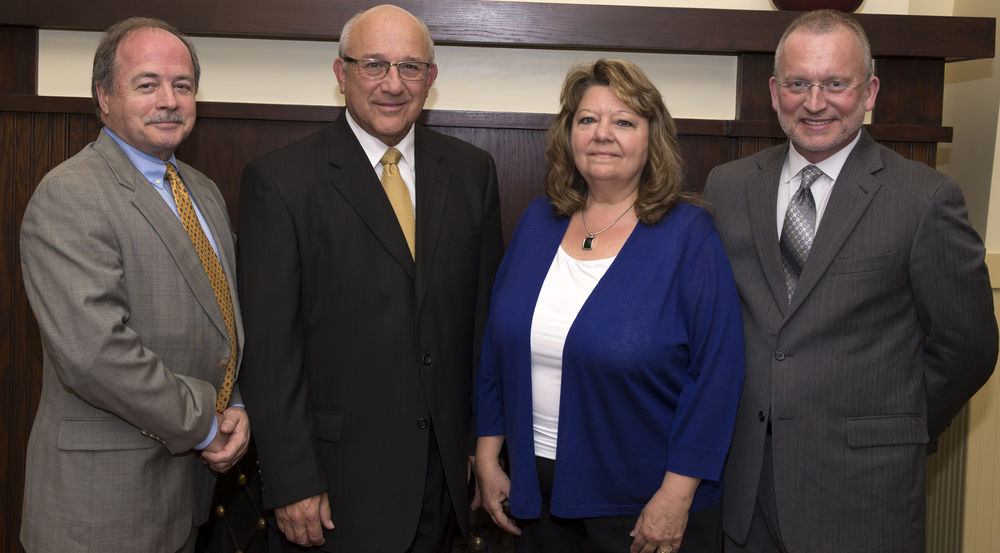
[886,430]
[465,241]
[328,425]
[100,435]
[864,264]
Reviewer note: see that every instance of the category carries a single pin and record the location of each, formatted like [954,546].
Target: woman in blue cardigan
[613,358]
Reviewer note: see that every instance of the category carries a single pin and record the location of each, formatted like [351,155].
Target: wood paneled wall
[37,133]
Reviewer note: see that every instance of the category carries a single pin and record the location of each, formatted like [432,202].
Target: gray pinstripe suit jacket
[890,332]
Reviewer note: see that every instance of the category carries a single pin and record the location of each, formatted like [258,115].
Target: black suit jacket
[354,352]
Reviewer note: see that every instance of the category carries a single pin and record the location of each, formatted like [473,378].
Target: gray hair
[105,58]
[822,22]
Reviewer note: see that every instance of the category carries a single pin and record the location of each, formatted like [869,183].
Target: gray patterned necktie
[799,229]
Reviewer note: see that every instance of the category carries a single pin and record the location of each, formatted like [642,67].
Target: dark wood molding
[482,23]
[465,119]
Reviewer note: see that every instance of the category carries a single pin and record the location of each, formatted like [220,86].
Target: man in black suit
[867,310]
[362,326]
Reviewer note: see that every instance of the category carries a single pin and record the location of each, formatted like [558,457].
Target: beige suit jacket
[134,348]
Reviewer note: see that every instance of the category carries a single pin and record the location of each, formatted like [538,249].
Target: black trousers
[765,531]
[552,534]
[436,527]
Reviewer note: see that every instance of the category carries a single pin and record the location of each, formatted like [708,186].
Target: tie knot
[391,157]
[809,175]
[171,175]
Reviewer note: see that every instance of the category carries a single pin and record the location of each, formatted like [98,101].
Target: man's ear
[102,99]
[339,71]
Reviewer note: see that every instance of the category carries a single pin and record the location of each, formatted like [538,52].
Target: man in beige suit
[128,264]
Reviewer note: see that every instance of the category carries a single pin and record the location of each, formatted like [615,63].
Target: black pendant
[588,242]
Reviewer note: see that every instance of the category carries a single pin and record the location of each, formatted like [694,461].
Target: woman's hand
[494,485]
[662,521]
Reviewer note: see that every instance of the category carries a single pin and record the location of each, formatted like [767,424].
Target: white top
[791,176]
[566,288]
[375,149]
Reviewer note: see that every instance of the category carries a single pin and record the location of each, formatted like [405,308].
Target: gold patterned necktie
[399,197]
[213,269]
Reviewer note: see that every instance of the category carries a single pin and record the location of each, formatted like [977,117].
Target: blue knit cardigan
[652,367]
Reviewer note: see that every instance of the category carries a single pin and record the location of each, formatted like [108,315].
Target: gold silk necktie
[399,197]
[213,269]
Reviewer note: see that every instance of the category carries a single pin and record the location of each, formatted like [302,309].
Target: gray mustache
[170,117]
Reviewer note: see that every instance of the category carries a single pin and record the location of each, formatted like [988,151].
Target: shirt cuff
[211,435]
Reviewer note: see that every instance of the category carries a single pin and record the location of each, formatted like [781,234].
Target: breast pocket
[465,242]
[865,264]
[328,425]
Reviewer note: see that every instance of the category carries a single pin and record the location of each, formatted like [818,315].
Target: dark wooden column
[18,60]
[753,102]
[19,350]
[911,93]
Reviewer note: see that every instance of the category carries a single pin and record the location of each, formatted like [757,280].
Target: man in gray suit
[867,310]
[128,263]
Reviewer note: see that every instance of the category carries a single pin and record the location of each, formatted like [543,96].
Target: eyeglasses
[376,69]
[828,88]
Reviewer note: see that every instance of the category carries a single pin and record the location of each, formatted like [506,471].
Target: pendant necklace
[588,242]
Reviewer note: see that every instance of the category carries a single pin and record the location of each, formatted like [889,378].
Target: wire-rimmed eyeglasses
[829,88]
[372,68]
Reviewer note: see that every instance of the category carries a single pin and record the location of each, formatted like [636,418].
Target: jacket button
[427,359]
[422,423]
[224,364]
[779,355]
[760,416]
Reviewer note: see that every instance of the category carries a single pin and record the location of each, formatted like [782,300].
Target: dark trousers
[436,528]
[765,530]
[552,534]
[437,524]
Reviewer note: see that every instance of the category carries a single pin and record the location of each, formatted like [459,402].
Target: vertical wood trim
[982,494]
[11,463]
[945,488]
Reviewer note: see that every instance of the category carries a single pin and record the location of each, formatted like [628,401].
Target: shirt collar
[375,148]
[151,167]
[830,166]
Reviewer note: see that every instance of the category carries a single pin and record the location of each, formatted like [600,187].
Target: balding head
[387,14]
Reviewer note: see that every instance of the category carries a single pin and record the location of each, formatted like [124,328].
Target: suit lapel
[357,183]
[432,194]
[852,193]
[218,224]
[166,225]
[762,194]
